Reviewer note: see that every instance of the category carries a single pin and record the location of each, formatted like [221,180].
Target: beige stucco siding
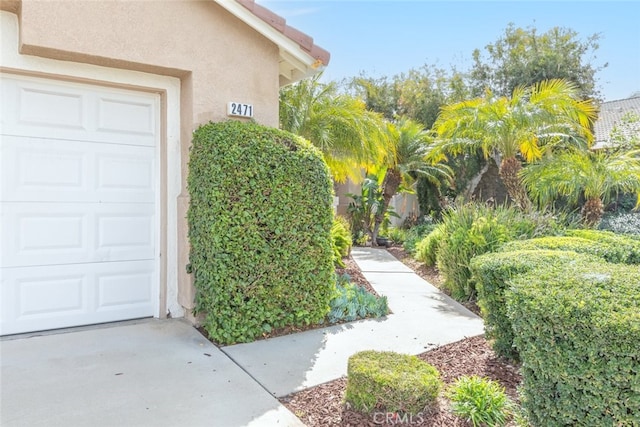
[229,60]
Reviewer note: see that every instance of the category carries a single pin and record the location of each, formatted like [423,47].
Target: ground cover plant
[352,302]
[260,230]
[622,223]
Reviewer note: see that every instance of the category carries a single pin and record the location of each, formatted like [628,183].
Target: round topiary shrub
[390,382]
[260,230]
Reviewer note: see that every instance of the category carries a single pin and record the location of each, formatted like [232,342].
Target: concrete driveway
[147,373]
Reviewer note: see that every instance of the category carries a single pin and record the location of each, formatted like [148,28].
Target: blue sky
[383,38]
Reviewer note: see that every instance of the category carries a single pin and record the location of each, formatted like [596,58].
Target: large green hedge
[492,274]
[609,246]
[578,332]
[259,227]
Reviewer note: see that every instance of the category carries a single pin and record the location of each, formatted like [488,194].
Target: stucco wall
[217,58]
[228,61]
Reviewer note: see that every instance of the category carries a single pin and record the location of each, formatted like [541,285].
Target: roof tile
[279,23]
[276,21]
[304,40]
[610,114]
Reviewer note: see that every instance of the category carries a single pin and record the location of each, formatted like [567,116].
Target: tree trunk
[473,182]
[592,212]
[509,170]
[390,185]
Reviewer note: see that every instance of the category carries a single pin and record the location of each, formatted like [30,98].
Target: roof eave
[295,63]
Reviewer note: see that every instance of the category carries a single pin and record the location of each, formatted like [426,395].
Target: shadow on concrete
[448,305]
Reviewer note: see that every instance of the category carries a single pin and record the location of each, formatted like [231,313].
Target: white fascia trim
[290,51]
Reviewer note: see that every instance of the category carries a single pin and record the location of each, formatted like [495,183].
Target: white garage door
[77,204]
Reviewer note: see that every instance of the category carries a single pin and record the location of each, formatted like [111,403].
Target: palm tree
[350,137]
[531,121]
[596,175]
[407,160]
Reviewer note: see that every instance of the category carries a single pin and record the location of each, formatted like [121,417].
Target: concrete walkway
[164,373]
[423,318]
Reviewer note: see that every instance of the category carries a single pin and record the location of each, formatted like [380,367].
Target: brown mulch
[430,274]
[352,269]
[323,406]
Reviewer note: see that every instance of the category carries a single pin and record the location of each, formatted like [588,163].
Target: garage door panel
[69,111]
[50,294]
[50,108]
[38,169]
[43,234]
[124,115]
[127,288]
[52,232]
[34,294]
[126,176]
[67,233]
[40,298]
[126,234]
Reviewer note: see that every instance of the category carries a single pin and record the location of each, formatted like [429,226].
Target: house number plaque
[238,109]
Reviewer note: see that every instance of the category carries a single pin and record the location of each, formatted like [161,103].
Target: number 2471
[238,109]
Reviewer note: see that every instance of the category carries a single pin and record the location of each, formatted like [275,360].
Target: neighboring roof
[610,114]
[299,56]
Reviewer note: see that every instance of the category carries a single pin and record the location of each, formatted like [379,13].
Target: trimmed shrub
[492,273]
[340,239]
[415,235]
[577,331]
[624,249]
[260,230]
[391,382]
[352,302]
[474,229]
[427,248]
[618,250]
[479,400]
